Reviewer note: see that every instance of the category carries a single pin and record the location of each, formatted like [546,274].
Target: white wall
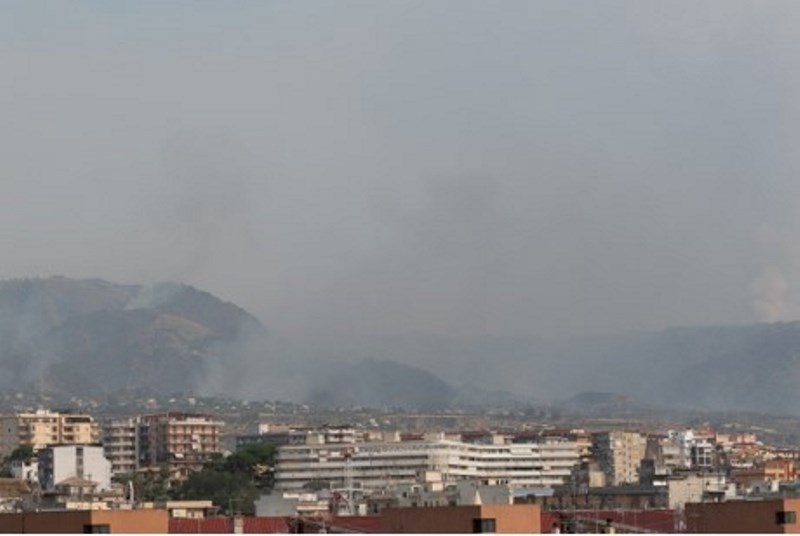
[95,465]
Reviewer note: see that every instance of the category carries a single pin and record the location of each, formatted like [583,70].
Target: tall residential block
[619,455]
[180,442]
[119,445]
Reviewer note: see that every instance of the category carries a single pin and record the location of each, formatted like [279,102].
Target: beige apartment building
[43,427]
[619,454]
[180,442]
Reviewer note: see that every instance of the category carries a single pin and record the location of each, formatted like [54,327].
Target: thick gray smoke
[455,170]
[258,366]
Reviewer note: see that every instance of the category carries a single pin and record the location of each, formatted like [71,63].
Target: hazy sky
[522,168]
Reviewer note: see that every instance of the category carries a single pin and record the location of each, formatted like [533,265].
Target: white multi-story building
[383,464]
[697,450]
[60,464]
[702,455]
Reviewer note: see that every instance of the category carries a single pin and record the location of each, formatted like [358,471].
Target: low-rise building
[26,469]
[683,488]
[764,477]
[629,496]
[184,509]
[763,516]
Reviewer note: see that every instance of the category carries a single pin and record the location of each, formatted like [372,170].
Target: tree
[22,452]
[233,483]
[149,486]
[232,492]
[256,461]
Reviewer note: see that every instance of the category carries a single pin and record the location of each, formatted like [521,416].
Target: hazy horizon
[530,169]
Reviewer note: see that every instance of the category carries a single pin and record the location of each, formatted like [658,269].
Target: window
[481,525]
[785,518]
[96,529]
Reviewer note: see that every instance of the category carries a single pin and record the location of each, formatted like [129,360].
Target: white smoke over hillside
[776,288]
[153,296]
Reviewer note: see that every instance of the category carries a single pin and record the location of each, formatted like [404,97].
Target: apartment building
[119,445]
[377,465]
[74,465]
[619,455]
[43,427]
[180,442]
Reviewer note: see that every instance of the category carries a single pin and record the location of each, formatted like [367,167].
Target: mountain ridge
[86,336]
[91,335]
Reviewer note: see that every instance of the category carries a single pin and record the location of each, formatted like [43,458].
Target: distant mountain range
[84,337]
[91,336]
[373,383]
[741,368]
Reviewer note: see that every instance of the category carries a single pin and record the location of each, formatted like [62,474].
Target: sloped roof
[75,481]
[11,487]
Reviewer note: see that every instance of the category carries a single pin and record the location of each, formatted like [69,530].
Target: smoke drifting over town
[358,169]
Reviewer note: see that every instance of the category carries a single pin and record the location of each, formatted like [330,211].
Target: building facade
[86,521]
[119,445]
[180,442]
[43,427]
[619,455]
[59,464]
[516,518]
[27,470]
[380,465]
[767,516]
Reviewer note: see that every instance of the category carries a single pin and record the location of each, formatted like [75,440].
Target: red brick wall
[741,516]
[211,525]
